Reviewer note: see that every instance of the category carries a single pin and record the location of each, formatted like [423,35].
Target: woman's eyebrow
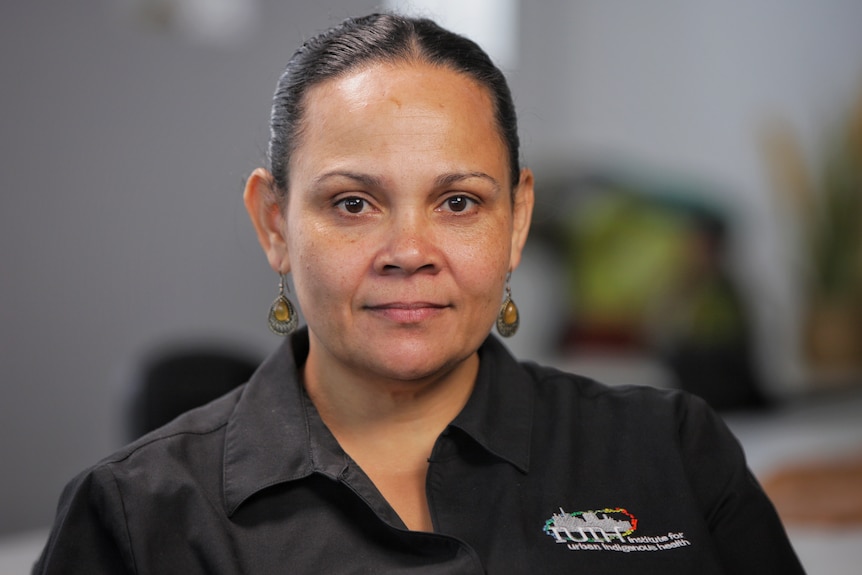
[365,179]
[446,180]
[370,181]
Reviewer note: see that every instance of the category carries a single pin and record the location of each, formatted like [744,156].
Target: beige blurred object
[826,212]
[833,338]
[827,493]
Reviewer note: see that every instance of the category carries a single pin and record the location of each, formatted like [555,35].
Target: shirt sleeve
[89,534]
[745,527]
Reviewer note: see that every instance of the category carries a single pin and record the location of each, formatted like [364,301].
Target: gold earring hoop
[508,319]
[282,317]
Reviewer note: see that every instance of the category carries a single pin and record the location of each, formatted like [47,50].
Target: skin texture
[399,228]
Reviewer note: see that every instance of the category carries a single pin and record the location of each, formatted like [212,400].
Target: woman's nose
[408,247]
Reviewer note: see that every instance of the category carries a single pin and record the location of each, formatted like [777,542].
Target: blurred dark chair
[172,381]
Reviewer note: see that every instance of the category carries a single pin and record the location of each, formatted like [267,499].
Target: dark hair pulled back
[380,38]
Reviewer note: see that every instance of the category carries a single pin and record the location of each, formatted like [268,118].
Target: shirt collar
[275,435]
[499,413]
[267,440]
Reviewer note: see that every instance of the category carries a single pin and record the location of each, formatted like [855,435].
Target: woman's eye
[458,203]
[352,205]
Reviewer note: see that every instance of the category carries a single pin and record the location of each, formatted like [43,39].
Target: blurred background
[699,175]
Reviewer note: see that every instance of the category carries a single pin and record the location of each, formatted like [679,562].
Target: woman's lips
[407,312]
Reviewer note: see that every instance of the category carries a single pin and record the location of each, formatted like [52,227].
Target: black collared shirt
[542,472]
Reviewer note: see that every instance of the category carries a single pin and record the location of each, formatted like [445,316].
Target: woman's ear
[266,215]
[522,216]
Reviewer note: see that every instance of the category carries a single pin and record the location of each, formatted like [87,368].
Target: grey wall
[124,149]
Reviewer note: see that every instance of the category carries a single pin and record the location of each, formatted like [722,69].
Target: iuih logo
[609,529]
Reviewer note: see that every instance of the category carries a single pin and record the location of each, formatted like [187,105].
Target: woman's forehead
[400,108]
[402,85]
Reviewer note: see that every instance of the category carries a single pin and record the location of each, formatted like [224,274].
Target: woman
[394,434]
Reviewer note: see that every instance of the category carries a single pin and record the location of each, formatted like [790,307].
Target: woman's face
[399,227]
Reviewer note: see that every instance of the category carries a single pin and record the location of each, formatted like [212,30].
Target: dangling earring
[508,319]
[282,315]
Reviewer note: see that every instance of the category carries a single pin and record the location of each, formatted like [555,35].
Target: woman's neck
[362,405]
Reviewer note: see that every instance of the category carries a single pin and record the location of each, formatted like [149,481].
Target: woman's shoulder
[646,418]
[169,470]
[560,385]
[641,413]
[192,438]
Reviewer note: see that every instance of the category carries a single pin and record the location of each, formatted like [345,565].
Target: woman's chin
[405,355]
[414,367]
[414,362]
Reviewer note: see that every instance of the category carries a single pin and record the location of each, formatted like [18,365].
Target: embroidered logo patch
[610,529]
